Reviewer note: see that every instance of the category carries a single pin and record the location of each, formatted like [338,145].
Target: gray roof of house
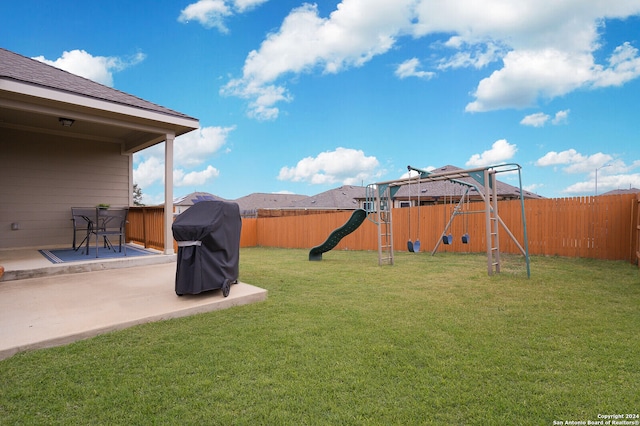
[344,197]
[260,200]
[622,191]
[194,197]
[14,66]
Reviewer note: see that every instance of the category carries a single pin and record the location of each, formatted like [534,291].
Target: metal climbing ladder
[492,222]
[379,206]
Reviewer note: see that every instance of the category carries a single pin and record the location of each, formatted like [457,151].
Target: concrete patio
[44,305]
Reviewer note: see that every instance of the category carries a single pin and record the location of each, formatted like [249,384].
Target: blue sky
[303,97]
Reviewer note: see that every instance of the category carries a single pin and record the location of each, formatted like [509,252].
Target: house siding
[43,176]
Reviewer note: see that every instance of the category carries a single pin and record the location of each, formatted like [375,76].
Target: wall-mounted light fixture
[66,122]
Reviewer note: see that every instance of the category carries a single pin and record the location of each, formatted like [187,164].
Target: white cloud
[244,5]
[209,13]
[190,150]
[534,187]
[606,183]
[500,151]
[546,52]
[524,24]
[97,68]
[551,50]
[611,173]
[262,97]
[353,34]
[196,147]
[213,13]
[538,119]
[528,75]
[624,65]
[153,199]
[574,162]
[476,56]
[344,165]
[148,171]
[554,158]
[182,178]
[561,117]
[409,68]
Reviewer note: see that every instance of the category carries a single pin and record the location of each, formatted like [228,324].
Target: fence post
[637,229]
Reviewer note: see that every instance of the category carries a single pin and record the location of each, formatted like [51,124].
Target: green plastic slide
[356,219]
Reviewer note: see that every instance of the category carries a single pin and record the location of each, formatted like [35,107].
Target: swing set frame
[484,182]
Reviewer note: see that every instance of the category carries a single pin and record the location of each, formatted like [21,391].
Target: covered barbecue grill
[208,236]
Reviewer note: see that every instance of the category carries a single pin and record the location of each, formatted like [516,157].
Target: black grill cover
[208,236]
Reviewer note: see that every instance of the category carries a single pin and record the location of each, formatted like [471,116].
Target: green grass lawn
[430,340]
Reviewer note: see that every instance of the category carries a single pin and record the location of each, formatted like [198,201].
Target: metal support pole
[487,220]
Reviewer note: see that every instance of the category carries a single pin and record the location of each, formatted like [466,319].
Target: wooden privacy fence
[604,227]
[638,230]
[145,227]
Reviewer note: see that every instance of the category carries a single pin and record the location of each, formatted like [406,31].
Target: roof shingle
[14,66]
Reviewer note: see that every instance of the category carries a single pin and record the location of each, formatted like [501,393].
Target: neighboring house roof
[622,191]
[34,95]
[194,197]
[259,200]
[348,197]
[344,197]
[248,203]
[438,189]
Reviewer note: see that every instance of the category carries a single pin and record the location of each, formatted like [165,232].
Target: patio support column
[168,193]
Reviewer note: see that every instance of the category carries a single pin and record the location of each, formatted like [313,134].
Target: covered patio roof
[34,96]
[38,98]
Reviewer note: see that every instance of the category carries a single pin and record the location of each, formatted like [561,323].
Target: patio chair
[82,218]
[110,222]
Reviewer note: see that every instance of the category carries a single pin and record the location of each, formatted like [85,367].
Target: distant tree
[137,195]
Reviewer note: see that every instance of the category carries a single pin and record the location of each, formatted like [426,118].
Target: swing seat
[410,246]
[465,239]
[447,239]
[416,246]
